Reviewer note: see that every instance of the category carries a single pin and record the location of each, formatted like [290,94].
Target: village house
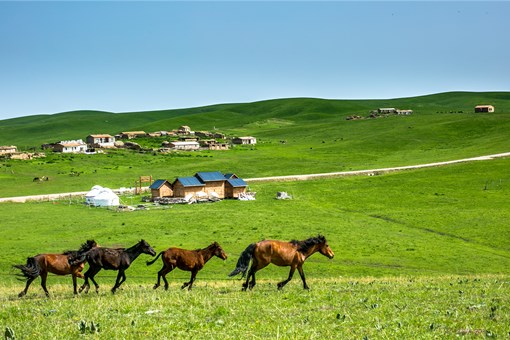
[234,187]
[186,146]
[70,146]
[387,110]
[101,141]
[484,108]
[185,186]
[214,183]
[184,130]
[8,149]
[404,112]
[132,134]
[244,140]
[161,188]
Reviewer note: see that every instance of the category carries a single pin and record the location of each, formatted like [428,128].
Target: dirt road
[51,197]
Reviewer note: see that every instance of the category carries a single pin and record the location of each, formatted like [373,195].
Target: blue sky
[135,56]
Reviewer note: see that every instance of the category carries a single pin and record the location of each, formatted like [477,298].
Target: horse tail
[157,257]
[30,271]
[244,261]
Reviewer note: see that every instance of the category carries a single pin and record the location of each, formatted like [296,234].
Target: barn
[184,186]
[484,108]
[214,182]
[234,187]
[161,188]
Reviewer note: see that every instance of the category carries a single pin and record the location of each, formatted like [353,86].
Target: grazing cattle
[188,260]
[42,264]
[113,259]
[280,253]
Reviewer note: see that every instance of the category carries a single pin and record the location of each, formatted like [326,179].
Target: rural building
[161,188]
[8,149]
[70,146]
[387,110]
[244,140]
[184,130]
[101,141]
[187,146]
[484,108]
[234,187]
[214,182]
[132,134]
[405,112]
[212,144]
[184,186]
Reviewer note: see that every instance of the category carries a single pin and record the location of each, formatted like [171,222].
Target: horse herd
[260,254]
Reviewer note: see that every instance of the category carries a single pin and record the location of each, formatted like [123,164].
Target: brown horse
[188,260]
[293,254]
[42,264]
[113,259]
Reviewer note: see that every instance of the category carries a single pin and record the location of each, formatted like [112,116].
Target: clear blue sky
[135,56]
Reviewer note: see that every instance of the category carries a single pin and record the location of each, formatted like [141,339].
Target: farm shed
[161,188]
[70,146]
[101,141]
[484,108]
[244,140]
[235,187]
[8,149]
[187,146]
[214,182]
[184,186]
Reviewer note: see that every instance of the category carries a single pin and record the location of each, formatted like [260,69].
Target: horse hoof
[243,289]
[155,287]
[21,294]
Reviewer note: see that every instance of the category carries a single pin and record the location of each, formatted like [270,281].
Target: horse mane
[305,245]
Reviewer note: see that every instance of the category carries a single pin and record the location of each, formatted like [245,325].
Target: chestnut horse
[113,259]
[42,264]
[280,253]
[188,260]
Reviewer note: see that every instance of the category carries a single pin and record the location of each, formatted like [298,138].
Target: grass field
[418,254]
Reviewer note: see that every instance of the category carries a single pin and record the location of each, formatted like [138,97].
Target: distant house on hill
[8,149]
[101,141]
[184,130]
[244,140]
[484,108]
[70,146]
[186,146]
[132,134]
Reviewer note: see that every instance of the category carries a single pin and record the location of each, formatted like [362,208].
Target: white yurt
[101,197]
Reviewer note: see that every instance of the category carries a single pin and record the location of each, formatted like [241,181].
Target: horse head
[218,251]
[324,248]
[146,248]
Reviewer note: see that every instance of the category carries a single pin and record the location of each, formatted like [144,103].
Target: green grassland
[418,254]
[317,137]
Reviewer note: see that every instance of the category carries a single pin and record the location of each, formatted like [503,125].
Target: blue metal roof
[210,176]
[190,182]
[230,175]
[157,183]
[237,182]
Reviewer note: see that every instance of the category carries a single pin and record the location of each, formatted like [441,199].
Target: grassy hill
[418,254]
[316,135]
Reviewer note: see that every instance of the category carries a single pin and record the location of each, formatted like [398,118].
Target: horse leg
[121,277]
[302,274]
[89,274]
[190,283]
[161,275]
[24,292]
[284,282]
[74,283]
[44,275]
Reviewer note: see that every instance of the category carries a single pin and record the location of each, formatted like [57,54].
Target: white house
[70,146]
[101,141]
[484,108]
[244,140]
[188,146]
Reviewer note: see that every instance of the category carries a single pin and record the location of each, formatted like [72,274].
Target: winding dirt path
[51,197]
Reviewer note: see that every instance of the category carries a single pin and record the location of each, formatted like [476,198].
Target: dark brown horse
[188,260]
[113,259]
[293,254]
[42,264]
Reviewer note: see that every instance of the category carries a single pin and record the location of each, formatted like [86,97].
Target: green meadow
[418,254]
